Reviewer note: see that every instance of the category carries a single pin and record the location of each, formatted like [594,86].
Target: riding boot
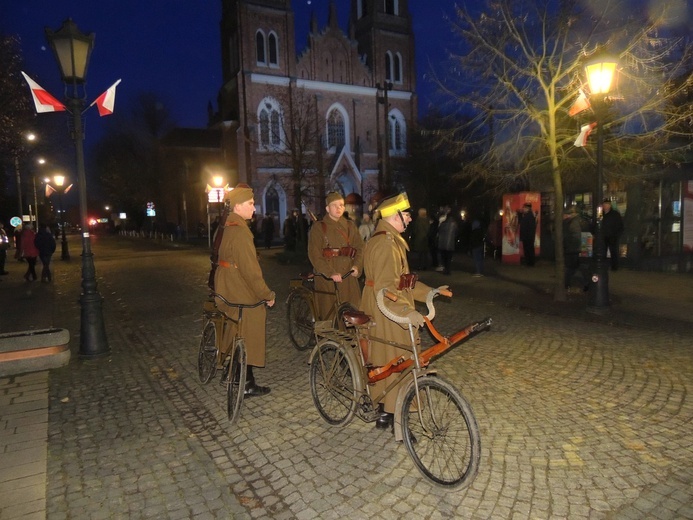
[251,389]
[385,420]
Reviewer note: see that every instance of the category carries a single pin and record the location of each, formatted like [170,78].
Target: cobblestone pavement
[579,420]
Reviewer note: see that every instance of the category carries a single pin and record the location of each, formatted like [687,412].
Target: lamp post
[600,74]
[59,181]
[29,137]
[72,50]
[218,182]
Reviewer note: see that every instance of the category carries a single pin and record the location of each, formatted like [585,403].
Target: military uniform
[328,246]
[385,261]
[239,280]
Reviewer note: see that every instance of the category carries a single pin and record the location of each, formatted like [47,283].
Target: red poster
[512,208]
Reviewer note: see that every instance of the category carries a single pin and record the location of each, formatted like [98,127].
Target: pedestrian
[45,243]
[476,244]
[335,248]
[572,245]
[528,230]
[386,267]
[29,251]
[290,231]
[419,240]
[239,279]
[612,227]
[494,236]
[366,228]
[447,239]
[4,246]
[268,230]
[18,243]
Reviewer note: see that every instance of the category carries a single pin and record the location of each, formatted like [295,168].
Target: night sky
[172,48]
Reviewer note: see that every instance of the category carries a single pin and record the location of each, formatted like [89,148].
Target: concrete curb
[33,351]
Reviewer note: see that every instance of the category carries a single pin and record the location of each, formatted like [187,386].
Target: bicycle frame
[297,284]
[225,318]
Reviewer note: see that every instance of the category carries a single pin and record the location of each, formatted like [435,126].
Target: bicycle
[434,421]
[301,309]
[211,357]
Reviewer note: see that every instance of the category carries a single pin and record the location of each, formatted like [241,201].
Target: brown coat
[242,282]
[385,260]
[339,233]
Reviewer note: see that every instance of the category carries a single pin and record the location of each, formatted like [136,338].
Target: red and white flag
[49,190]
[585,131]
[581,103]
[106,101]
[43,101]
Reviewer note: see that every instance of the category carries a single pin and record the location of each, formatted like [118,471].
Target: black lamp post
[72,50]
[600,74]
[59,181]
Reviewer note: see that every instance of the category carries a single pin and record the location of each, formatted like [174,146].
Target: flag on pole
[43,101]
[68,188]
[581,103]
[49,190]
[585,131]
[106,101]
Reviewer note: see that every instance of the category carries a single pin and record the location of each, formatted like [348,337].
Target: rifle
[214,256]
[310,213]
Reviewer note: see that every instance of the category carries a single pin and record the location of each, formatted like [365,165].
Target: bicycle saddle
[356,317]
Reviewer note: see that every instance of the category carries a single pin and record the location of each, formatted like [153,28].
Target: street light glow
[600,74]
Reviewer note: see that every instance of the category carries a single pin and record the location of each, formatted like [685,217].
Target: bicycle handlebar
[384,293]
[347,274]
[238,305]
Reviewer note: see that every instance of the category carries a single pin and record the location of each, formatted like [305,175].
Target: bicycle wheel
[333,383]
[207,353]
[235,385]
[301,320]
[444,441]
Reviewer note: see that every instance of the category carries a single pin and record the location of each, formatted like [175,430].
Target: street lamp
[600,74]
[218,182]
[59,181]
[72,50]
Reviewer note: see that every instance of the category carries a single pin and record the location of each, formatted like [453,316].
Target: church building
[335,116]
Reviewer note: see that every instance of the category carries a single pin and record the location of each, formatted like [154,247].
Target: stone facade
[299,125]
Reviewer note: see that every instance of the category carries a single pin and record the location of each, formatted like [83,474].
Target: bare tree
[519,68]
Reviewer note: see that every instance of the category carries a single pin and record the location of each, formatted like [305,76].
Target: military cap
[332,196]
[392,205]
[240,194]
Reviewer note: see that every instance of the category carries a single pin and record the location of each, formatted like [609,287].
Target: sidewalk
[648,300]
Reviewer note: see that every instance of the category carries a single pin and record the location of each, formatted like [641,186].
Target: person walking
[528,230]
[239,279]
[612,227]
[335,247]
[268,230]
[29,252]
[447,238]
[572,245]
[4,246]
[419,240]
[45,243]
[386,267]
[476,244]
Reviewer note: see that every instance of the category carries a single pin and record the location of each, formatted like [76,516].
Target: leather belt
[228,265]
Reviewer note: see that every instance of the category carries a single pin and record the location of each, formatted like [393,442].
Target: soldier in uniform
[239,280]
[335,247]
[385,263]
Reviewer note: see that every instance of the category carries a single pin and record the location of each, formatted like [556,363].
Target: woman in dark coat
[45,243]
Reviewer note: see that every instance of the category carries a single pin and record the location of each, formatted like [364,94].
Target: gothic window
[270,125]
[260,48]
[391,6]
[388,66]
[397,133]
[271,201]
[397,69]
[273,49]
[361,9]
[336,130]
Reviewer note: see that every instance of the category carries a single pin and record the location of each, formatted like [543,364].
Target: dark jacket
[612,224]
[44,242]
[528,226]
[572,234]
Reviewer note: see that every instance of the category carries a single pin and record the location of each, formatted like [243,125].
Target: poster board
[512,208]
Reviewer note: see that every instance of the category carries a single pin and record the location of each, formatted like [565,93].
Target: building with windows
[335,116]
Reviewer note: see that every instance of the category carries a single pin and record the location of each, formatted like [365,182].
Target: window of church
[388,66]
[273,50]
[270,125]
[335,130]
[391,6]
[260,48]
[275,136]
[397,68]
[397,133]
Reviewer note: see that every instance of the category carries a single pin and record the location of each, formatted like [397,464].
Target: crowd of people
[30,247]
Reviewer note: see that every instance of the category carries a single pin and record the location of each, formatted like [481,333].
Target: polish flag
[581,103]
[585,131]
[43,101]
[49,190]
[106,101]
